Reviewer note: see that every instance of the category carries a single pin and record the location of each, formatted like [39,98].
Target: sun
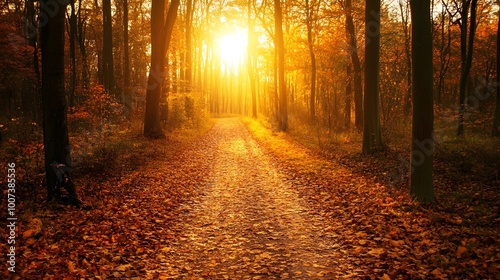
[232,48]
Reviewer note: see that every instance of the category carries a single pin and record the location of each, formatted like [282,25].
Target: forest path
[248,223]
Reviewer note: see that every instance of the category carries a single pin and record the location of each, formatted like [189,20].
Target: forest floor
[243,202]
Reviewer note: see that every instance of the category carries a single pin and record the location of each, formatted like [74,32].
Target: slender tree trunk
[372,139]
[280,47]
[496,121]
[312,101]
[356,64]
[72,53]
[126,64]
[404,23]
[108,69]
[467,49]
[30,33]
[250,60]
[161,34]
[55,127]
[81,42]
[189,44]
[423,112]
[348,94]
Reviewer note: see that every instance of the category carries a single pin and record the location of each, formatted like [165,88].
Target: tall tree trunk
[161,34]
[108,69]
[55,128]
[250,60]
[72,53]
[81,42]
[189,47]
[126,64]
[466,50]
[30,33]
[356,64]
[348,94]
[404,24]
[372,139]
[423,112]
[309,21]
[280,47]
[496,120]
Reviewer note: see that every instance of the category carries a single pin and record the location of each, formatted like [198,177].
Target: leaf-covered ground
[234,204]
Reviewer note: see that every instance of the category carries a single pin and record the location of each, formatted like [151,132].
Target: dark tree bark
[55,128]
[466,51]
[161,33]
[356,64]
[309,24]
[423,116]
[372,139]
[496,119]
[108,69]
[280,47]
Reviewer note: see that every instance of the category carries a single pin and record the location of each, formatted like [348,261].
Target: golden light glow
[232,48]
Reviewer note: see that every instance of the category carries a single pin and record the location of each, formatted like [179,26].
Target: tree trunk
[160,41]
[348,93]
[309,21]
[466,50]
[356,64]
[72,53]
[423,114]
[108,69]
[126,64]
[81,42]
[189,47]
[250,60]
[55,128]
[280,47]
[372,139]
[404,24]
[496,120]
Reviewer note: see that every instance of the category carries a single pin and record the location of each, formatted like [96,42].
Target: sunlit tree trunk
[55,127]
[496,119]
[108,69]
[161,33]
[309,24]
[372,139]
[126,64]
[423,116]
[189,45]
[404,25]
[250,60]
[466,50]
[280,47]
[356,64]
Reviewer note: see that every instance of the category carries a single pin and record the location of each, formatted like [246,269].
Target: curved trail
[249,223]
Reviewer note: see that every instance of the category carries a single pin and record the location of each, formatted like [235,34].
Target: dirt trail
[249,223]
